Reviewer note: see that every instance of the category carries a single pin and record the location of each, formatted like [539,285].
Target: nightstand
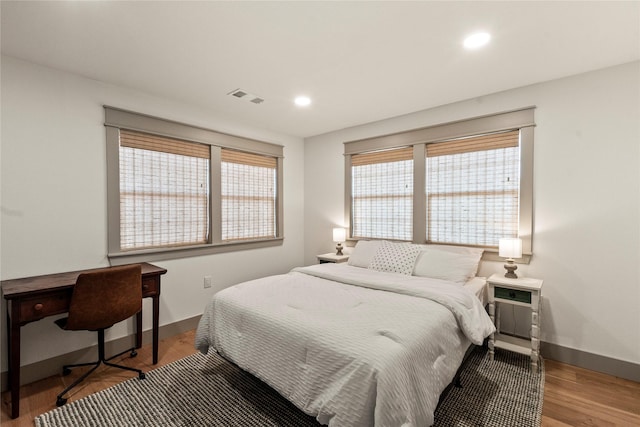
[525,292]
[332,257]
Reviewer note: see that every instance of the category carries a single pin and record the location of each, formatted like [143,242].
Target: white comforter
[348,345]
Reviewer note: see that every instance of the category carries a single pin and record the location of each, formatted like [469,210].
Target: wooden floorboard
[572,396]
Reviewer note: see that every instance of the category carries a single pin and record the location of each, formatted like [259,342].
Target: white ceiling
[358,61]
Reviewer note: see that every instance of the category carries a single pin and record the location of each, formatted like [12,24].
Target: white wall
[53,197]
[587,199]
[586,196]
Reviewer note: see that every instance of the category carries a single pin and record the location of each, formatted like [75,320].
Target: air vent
[238,93]
[244,95]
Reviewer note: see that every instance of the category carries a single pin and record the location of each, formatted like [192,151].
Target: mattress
[348,345]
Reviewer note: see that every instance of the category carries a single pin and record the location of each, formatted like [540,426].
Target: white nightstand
[332,257]
[525,292]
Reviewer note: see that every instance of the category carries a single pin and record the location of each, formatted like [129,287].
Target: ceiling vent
[244,95]
[238,93]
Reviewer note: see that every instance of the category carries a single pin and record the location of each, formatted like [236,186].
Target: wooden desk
[34,298]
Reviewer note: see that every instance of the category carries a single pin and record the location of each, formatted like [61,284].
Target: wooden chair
[100,299]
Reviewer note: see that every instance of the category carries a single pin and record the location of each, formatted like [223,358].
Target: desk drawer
[513,295]
[32,309]
[150,286]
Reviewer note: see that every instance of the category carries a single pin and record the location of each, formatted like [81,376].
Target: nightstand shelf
[511,343]
[332,257]
[523,292]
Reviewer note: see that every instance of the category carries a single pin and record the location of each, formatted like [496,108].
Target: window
[382,194]
[164,192]
[467,183]
[472,188]
[248,196]
[176,190]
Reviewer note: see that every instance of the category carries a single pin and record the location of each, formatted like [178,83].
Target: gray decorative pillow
[395,257]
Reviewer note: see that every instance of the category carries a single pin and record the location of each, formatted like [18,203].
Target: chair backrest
[104,297]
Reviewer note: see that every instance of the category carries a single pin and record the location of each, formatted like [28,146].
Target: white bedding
[350,346]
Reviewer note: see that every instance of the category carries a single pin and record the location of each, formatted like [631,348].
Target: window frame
[521,119]
[116,119]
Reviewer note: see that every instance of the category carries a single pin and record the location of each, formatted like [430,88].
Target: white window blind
[248,195]
[164,191]
[382,194]
[472,188]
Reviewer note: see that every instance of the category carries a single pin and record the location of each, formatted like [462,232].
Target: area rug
[209,391]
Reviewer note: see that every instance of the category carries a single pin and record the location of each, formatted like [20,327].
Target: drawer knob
[145,287]
[38,307]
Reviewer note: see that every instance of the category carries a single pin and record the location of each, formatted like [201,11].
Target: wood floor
[572,396]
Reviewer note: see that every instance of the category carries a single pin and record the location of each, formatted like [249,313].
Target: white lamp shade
[339,235]
[510,248]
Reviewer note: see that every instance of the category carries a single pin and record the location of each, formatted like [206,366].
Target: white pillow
[363,253]
[395,257]
[458,265]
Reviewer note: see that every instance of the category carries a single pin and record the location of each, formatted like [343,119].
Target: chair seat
[62,323]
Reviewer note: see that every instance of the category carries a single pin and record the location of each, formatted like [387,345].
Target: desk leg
[13,341]
[156,325]
[139,329]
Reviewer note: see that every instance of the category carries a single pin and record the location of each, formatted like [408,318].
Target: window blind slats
[248,196]
[382,156]
[144,141]
[477,143]
[382,194]
[473,196]
[164,199]
[242,158]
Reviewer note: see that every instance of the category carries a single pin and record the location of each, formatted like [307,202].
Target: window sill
[490,255]
[163,254]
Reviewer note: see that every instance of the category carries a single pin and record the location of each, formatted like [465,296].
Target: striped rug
[208,391]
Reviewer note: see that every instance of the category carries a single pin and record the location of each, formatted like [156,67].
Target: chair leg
[106,361]
[66,369]
[61,400]
[101,359]
[139,371]
[132,350]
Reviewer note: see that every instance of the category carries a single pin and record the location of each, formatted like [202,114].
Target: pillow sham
[440,263]
[363,253]
[395,257]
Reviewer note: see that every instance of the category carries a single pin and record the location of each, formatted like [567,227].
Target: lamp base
[339,249]
[511,267]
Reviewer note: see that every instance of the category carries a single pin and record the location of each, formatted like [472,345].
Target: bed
[352,345]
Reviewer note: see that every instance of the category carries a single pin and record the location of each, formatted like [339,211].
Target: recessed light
[474,41]
[302,101]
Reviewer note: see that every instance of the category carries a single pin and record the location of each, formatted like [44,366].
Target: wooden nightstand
[525,292]
[332,257]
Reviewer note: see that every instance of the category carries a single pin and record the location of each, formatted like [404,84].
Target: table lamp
[510,248]
[339,236]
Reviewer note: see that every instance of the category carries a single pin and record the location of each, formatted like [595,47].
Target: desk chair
[100,299]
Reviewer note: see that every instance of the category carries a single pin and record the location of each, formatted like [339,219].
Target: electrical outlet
[207,281]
